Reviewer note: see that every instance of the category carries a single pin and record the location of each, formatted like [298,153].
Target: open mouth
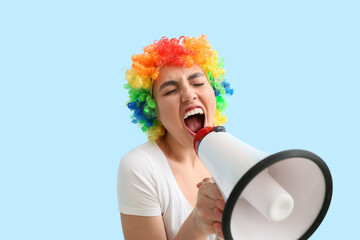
[194,120]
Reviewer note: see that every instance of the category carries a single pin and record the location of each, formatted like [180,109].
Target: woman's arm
[140,227]
[152,228]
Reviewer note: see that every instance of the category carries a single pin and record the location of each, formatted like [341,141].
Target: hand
[209,208]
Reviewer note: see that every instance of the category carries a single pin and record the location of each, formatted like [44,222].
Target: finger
[218,214]
[203,181]
[204,202]
[218,230]
[220,204]
[210,190]
[206,180]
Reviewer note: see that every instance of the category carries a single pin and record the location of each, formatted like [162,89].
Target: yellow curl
[219,118]
[155,132]
[206,57]
[137,80]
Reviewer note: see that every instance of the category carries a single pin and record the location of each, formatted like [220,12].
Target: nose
[188,94]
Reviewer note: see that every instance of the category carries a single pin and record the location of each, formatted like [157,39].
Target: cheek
[161,108]
[211,97]
[165,111]
[211,103]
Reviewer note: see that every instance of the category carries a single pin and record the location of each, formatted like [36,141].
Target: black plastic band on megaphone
[265,163]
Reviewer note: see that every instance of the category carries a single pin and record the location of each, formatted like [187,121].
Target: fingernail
[218,213]
[218,229]
[220,204]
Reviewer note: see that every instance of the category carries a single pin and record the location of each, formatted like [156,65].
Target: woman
[176,87]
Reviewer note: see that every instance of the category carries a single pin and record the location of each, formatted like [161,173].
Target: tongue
[194,123]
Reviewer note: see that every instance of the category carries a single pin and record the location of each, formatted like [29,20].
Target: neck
[176,151]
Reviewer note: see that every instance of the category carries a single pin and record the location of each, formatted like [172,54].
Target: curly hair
[184,51]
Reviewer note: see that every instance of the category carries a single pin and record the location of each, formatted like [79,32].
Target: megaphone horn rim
[265,163]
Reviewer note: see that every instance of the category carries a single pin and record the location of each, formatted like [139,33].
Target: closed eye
[169,92]
[198,84]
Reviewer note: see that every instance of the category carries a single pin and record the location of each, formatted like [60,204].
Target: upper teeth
[193,112]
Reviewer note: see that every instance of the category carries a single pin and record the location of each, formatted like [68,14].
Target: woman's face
[185,101]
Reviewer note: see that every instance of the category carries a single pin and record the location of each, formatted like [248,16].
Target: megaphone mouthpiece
[268,197]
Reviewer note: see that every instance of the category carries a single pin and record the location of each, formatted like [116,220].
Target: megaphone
[283,196]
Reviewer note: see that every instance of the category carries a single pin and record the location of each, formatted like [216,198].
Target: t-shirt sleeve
[136,186]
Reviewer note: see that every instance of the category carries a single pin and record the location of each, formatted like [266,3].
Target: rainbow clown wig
[184,51]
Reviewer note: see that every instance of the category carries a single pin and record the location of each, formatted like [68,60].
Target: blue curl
[227,88]
[132,105]
[149,122]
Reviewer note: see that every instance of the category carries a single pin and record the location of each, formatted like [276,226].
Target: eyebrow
[168,83]
[195,75]
[173,82]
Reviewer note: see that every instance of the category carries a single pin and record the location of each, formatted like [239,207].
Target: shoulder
[142,156]
[137,182]
[145,160]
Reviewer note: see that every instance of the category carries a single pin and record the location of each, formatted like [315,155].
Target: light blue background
[294,66]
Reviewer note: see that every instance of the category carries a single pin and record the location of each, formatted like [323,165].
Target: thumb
[205,180]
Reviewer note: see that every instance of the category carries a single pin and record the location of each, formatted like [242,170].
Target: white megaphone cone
[283,196]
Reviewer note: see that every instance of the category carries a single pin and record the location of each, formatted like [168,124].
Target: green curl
[221,103]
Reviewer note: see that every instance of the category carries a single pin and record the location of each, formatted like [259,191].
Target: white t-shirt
[146,186]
